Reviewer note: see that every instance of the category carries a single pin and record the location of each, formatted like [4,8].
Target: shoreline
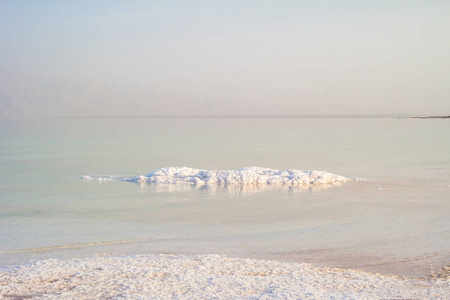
[203,277]
[417,266]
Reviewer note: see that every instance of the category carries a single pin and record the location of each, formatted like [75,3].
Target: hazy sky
[224,57]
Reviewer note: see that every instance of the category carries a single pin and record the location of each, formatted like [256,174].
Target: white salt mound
[249,175]
[204,277]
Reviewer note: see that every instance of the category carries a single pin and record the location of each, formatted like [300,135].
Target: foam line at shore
[205,277]
[71,246]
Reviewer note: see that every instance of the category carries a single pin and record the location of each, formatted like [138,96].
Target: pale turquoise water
[401,213]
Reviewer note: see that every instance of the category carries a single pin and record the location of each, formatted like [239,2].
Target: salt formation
[249,175]
[204,277]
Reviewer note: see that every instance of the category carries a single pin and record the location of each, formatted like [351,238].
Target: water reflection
[241,189]
[214,189]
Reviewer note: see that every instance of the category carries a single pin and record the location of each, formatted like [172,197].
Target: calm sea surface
[398,221]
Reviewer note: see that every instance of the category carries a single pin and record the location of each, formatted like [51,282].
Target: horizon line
[244,116]
[209,116]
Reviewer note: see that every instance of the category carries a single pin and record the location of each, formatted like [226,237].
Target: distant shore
[431,117]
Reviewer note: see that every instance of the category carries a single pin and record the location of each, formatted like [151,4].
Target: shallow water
[395,222]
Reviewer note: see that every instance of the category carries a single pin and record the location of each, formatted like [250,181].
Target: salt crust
[204,277]
[248,175]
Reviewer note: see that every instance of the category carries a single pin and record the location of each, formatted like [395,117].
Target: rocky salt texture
[249,175]
[204,277]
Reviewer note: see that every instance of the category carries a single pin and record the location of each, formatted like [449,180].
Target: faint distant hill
[40,97]
[24,96]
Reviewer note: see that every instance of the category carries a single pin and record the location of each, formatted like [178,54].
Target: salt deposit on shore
[249,175]
[204,277]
